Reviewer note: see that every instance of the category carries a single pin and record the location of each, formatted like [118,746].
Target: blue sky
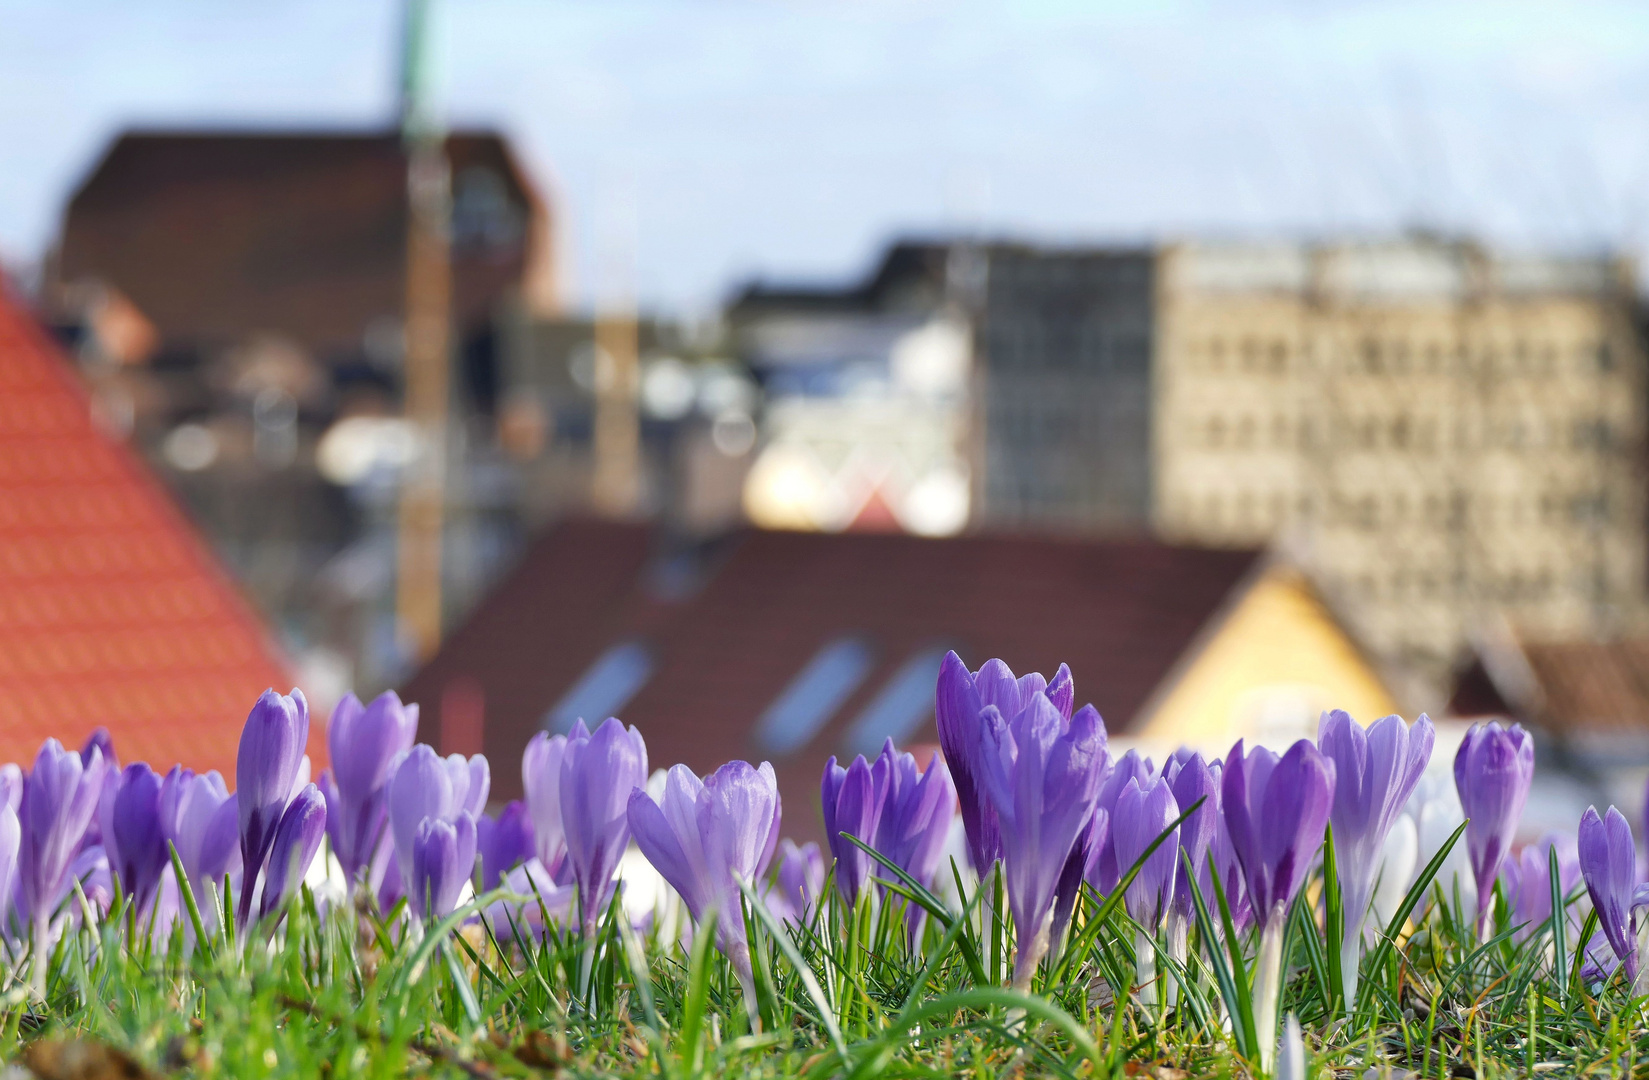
[689,144]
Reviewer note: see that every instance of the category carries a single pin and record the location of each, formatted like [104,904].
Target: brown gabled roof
[1570,688]
[112,611]
[217,235]
[1120,613]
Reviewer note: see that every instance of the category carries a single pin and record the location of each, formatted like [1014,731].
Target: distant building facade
[1064,352]
[1437,431]
[990,383]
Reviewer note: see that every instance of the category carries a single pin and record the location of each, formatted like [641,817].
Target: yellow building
[1264,669]
[1437,433]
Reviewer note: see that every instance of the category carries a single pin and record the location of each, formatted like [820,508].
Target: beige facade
[1442,435]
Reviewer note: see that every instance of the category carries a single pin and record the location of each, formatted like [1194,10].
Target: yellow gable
[1263,671]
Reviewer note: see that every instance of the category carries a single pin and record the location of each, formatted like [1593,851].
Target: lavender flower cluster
[1041,801]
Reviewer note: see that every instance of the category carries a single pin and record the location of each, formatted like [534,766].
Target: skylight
[606,686]
[814,695]
[899,708]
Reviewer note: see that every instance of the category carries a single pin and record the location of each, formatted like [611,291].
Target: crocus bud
[915,820]
[853,800]
[443,858]
[134,836]
[1276,810]
[1527,881]
[364,743]
[266,768]
[201,819]
[1608,862]
[598,772]
[503,842]
[60,797]
[1043,775]
[1143,814]
[1492,772]
[541,782]
[297,837]
[1375,772]
[1105,869]
[1192,782]
[706,837]
[799,881]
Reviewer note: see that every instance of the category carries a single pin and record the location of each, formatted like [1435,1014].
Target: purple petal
[1142,814]
[266,767]
[297,839]
[541,782]
[420,788]
[598,772]
[136,841]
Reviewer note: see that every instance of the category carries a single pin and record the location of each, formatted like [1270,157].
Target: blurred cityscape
[1232,480]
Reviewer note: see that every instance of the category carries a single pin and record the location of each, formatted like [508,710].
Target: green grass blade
[1400,916]
[1334,925]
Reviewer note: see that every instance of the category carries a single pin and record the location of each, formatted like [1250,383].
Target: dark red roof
[1120,613]
[217,235]
[112,611]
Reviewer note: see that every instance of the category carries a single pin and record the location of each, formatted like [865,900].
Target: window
[814,695]
[899,707]
[606,686]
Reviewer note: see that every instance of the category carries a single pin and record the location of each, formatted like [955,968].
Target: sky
[691,145]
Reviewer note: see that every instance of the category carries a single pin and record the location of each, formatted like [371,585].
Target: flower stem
[1030,953]
[1145,969]
[1268,985]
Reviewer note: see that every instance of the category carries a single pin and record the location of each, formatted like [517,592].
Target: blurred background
[720,365]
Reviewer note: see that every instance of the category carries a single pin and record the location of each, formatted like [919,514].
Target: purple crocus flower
[1224,865]
[266,768]
[959,701]
[1142,814]
[915,820]
[420,787]
[705,837]
[443,858]
[11,837]
[853,799]
[1042,775]
[1608,862]
[1374,774]
[1276,810]
[1192,780]
[60,797]
[598,772]
[297,839]
[798,882]
[201,819]
[134,836]
[1106,870]
[1492,772]
[471,782]
[541,781]
[363,742]
[1527,881]
[504,842]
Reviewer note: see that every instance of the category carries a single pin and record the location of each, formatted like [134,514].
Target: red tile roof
[112,610]
[1119,612]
